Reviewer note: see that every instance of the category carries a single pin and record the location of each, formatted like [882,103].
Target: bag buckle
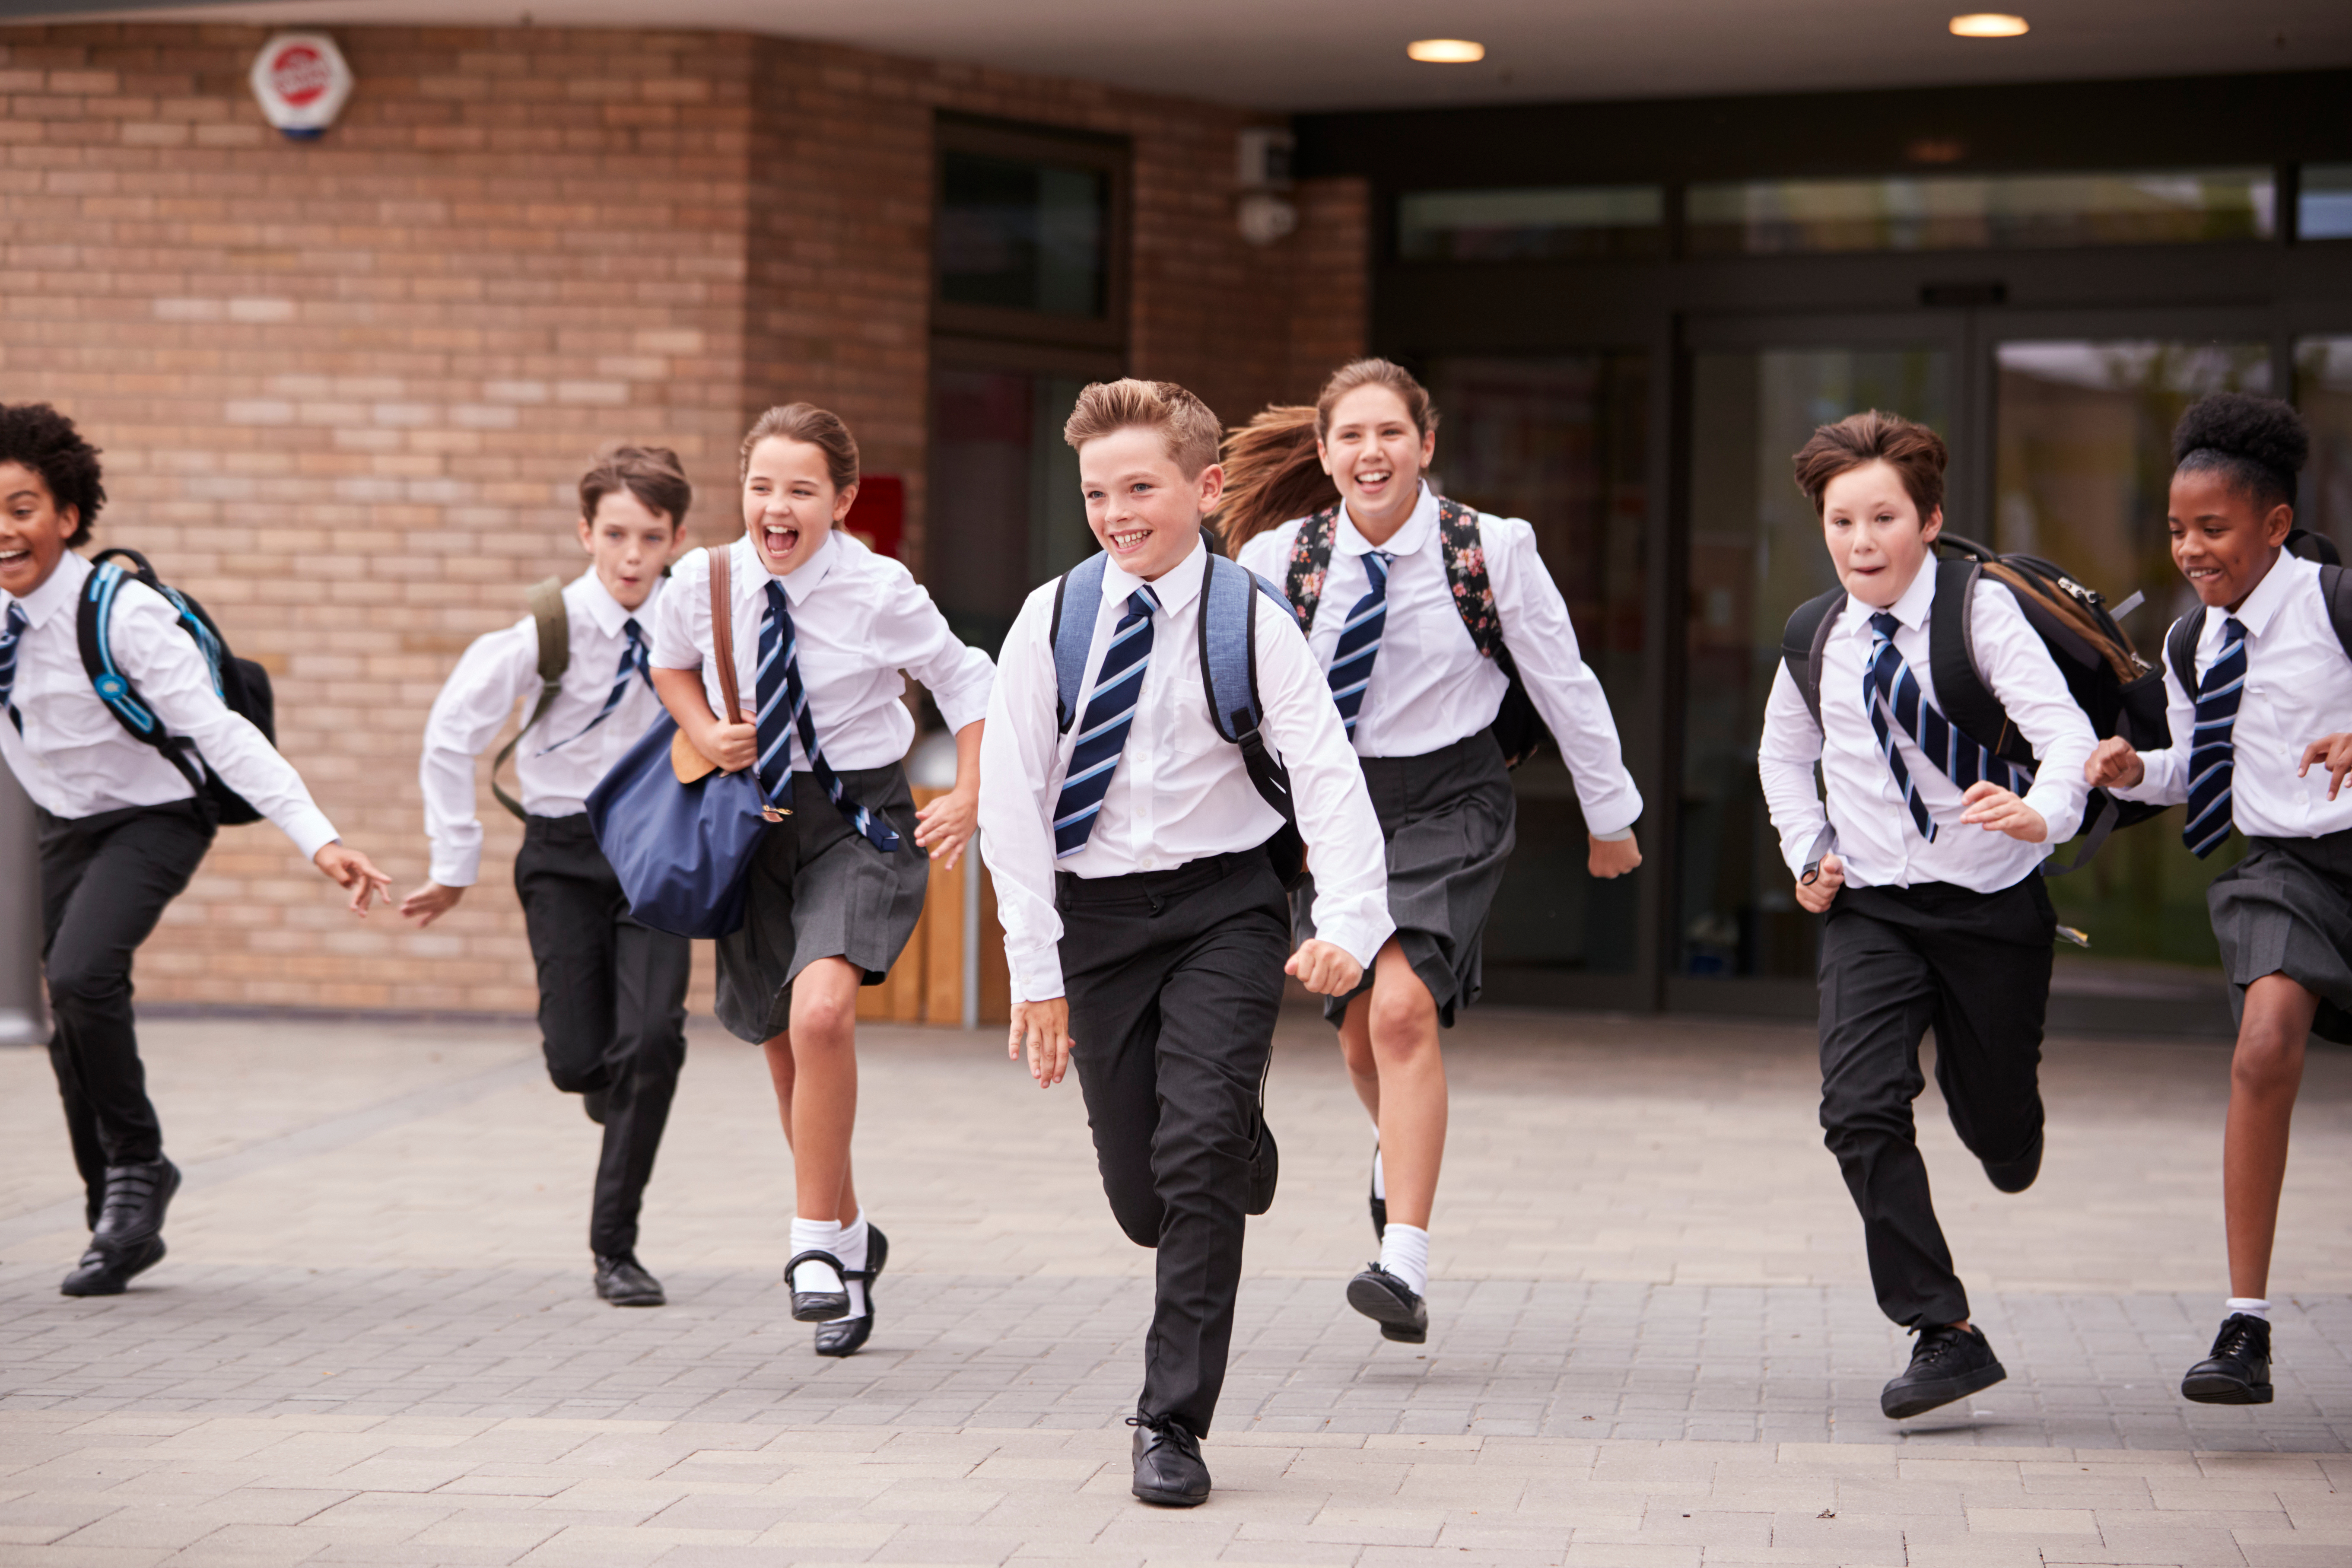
[774,813]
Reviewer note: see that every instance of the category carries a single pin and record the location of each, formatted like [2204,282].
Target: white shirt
[2298,688]
[479,696]
[858,619]
[1876,839]
[1180,792]
[75,758]
[1430,685]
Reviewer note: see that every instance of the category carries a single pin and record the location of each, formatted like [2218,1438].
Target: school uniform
[1419,701]
[1151,904]
[842,876]
[1939,924]
[121,830]
[2286,907]
[612,993]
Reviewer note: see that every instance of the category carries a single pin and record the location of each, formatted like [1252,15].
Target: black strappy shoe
[817,1306]
[847,1336]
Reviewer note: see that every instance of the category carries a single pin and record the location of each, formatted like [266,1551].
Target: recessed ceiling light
[1446,52]
[1988,24]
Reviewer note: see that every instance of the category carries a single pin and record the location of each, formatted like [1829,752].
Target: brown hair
[1914,452]
[1188,430]
[1272,472]
[806,423]
[652,474]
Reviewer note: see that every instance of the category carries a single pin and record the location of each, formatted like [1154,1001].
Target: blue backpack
[1228,671]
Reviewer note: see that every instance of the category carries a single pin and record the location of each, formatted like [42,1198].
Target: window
[1028,240]
[2323,390]
[1516,225]
[2324,201]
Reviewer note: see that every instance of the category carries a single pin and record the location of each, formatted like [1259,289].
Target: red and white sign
[303,81]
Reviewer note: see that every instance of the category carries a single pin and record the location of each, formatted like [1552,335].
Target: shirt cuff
[1036,974]
[1611,814]
[1618,837]
[309,830]
[2061,809]
[456,865]
[1359,939]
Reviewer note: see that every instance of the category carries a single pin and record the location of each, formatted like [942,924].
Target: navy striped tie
[784,709]
[2212,753]
[1102,732]
[1891,692]
[1360,641]
[10,635]
[633,662]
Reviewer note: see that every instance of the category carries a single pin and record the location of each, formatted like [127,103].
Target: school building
[346,380]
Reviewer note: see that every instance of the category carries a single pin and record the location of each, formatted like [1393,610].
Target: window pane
[1005,513]
[1560,442]
[1023,235]
[1971,212]
[2323,390]
[1513,226]
[2324,208]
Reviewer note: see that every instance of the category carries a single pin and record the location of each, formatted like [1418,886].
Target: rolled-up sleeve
[1785,761]
[1019,752]
[473,707]
[1565,691]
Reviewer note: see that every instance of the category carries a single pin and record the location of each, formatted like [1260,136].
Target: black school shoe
[105,1270]
[1380,1204]
[817,1306]
[847,1336]
[1947,1363]
[2015,1175]
[624,1282]
[2239,1370]
[1390,1302]
[1169,1469]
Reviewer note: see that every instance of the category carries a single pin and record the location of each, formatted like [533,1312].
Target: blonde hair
[818,427]
[1188,430]
[1273,473]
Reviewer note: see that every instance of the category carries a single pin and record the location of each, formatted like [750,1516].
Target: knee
[826,1020]
[75,986]
[1404,1020]
[2267,1061]
[1356,1050]
[1137,1207]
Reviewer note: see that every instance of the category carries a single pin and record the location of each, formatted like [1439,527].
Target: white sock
[1404,1252]
[815,1235]
[2253,1306]
[852,1253]
[1380,1176]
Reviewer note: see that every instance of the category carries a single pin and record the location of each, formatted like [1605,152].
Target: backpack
[553,623]
[240,683]
[1518,729]
[2116,688]
[2180,642]
[1228,632]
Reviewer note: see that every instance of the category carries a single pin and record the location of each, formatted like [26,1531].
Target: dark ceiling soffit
[56,10]
[2179,122]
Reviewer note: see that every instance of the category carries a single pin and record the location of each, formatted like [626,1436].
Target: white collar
[1418,530]
[608,613]
[2269,596]
[1910,610]
[1174,588]
[60,591]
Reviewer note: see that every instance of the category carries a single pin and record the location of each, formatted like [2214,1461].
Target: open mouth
[1373,479]
[1124,541]
[11,557]
[778,539]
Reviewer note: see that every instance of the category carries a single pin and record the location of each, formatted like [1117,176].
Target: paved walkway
[375,1340]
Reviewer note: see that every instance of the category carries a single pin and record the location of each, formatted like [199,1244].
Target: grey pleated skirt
[817,889]
[1449,818]
[2286,908]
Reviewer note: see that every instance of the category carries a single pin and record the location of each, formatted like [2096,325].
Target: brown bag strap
[722,630]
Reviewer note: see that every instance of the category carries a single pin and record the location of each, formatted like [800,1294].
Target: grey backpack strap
[1073,636]
[2335,589]
[2180,650]
[554,627]
[1803,641]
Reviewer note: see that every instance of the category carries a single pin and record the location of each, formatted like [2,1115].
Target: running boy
[612,993]
[122,828]
[1144,922]
[1937,915]
[2258,675]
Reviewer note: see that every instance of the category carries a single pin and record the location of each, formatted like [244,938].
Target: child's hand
[2113,762]
[733,747]
[429,903]
[1044,1029]
[1324,968]
[1613,857]
[1996,810]
[946,825]
[349,868]
[2333,752]
[1814,897]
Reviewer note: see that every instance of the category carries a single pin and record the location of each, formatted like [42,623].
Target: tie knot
[1884,624]
[629,629]
[1376,566]
[2234,630]
[1141,603]
[17,619]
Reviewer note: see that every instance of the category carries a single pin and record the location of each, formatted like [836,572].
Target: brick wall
[345,387]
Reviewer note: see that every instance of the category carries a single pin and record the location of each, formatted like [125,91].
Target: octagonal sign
[303,81]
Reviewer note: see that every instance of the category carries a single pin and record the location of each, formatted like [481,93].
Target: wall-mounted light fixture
[1263,214]
[1988,24]
[1446,51]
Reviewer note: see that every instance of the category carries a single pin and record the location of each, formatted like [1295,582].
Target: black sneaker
[2239,1370]
[1169,1469]
[1947,1363]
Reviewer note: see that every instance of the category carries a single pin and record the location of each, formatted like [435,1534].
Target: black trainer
[2239,1370]
[137,1197]
[624,1282]
[1169,1469]
[105,1270]
[1388,1301]
[2016,1175]
[1380,1204]
[1947,1363]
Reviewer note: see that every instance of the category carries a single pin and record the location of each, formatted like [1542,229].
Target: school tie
[2212,753]
[11,634]
[1102,732]
[783,708]
[1359,640]
[633,662]
[1891,692]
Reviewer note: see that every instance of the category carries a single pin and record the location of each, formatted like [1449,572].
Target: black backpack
[2180,642]
[242,684]
[2117,689]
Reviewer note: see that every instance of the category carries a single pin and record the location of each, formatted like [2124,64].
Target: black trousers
[612,1009]
[104,882]
[1896,962]
[1174,980]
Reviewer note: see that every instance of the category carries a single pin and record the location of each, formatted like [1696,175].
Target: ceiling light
[1987,24]
[1446,51]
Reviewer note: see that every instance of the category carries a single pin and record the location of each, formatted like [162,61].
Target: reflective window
[1531,225]
[1976,212]
[2323,390]
[1024,235]
[2324,201]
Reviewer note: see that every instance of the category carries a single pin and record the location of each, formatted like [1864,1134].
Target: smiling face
[33,529]
[1873,529]
[789,503]
[629,543]
[2223,540]
[1375,455]
[1142,507]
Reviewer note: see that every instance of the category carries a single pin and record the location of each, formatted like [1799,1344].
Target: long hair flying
[1273,473]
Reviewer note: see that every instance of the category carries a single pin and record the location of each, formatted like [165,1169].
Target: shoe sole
[656,1300]
[1921,1399]
[122,1280]
[1170,1499]
[2224,1391]
[1387,1311]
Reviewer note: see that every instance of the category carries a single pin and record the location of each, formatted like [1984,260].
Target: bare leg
[778,1052]
[814,1065]
[2263,1078]
[1409,1090]
[1356,1050]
